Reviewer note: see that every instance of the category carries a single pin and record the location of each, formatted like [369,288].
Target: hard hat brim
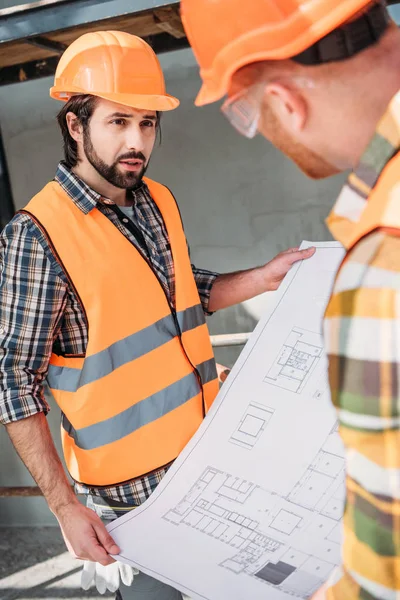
[162,102]
[260,45]
[207,96]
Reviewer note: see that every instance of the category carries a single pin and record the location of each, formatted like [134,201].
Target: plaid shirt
[362,335]
[40,314]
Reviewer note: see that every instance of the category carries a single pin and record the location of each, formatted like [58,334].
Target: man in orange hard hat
[98,296]
[320,80]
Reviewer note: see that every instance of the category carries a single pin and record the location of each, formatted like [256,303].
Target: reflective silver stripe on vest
[191,318]
[144,412]
[69,379]
[207,370]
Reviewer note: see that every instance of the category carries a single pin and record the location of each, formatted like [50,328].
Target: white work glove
[106,578]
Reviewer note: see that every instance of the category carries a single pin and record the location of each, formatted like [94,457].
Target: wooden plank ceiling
[164,20]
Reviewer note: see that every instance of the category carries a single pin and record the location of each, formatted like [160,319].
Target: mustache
[131,156]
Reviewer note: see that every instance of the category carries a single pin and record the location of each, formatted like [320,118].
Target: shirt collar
[358,209]
[85,197]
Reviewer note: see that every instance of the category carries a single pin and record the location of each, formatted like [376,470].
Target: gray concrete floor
[34,564]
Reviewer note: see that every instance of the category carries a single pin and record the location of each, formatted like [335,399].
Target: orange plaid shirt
[362,338]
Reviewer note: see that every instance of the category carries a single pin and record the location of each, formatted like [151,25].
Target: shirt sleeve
[204,281]
[32,298]
[362,333]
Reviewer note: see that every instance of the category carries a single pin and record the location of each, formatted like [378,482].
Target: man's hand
[232,288]
[277,268]
[222,372]
[85,535]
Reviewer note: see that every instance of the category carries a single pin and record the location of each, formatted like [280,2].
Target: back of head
[227,35]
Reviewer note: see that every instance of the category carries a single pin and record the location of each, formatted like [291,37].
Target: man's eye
[118,122]
[148,123]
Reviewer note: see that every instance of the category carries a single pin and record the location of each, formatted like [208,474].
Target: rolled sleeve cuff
[204,282]
[21,407]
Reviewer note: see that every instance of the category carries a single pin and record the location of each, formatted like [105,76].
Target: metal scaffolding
[48,16]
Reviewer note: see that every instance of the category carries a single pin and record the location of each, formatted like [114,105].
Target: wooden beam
[168,19]
[26,71]
[20,492]
[43,18]
[46,44]
[26,51]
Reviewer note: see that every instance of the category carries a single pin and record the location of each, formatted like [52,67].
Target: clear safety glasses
[244,108]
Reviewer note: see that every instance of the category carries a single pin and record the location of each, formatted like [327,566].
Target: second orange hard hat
[228,34]
[116,66]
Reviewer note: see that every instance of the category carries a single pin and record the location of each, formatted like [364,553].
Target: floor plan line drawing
[252,506]
[252,425]
[286,522]
[223,506]
[335,536]
[321,487]
[296,360]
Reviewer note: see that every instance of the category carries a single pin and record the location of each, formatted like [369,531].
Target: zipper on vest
[140,238]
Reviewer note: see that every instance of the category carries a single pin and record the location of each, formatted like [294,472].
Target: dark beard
[110,173]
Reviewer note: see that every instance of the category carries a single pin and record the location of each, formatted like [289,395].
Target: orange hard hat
[116,66]
[228,34]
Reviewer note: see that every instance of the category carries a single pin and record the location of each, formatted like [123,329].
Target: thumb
[106,540]
[301,255]
[307,252]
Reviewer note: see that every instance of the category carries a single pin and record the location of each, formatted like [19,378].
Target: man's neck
[100,185]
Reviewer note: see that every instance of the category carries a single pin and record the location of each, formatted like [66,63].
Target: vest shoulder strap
[165,198]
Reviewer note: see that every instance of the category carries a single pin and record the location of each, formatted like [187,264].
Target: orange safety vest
[132,403]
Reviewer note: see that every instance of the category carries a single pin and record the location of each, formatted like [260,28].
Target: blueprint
[296,360]
[252,508]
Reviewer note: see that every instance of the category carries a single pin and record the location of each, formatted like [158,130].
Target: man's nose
[135,139]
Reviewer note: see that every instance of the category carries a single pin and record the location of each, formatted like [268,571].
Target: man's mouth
[132,164]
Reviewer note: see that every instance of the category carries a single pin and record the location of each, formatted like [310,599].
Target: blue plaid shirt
[40,314]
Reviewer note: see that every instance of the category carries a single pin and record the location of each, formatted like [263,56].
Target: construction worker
[320,80]
[98,295]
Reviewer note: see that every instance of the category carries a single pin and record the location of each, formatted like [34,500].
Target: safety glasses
[244,108]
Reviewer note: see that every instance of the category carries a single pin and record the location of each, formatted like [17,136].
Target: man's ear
[288,105]
[74,126]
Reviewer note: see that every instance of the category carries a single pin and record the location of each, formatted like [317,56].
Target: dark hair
[83,107]
[158,125]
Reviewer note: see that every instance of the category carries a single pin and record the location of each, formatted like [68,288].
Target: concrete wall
[241,201]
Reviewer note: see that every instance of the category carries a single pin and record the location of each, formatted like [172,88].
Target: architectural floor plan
[222,506]
[252,507]
[252,425]
[296,360]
